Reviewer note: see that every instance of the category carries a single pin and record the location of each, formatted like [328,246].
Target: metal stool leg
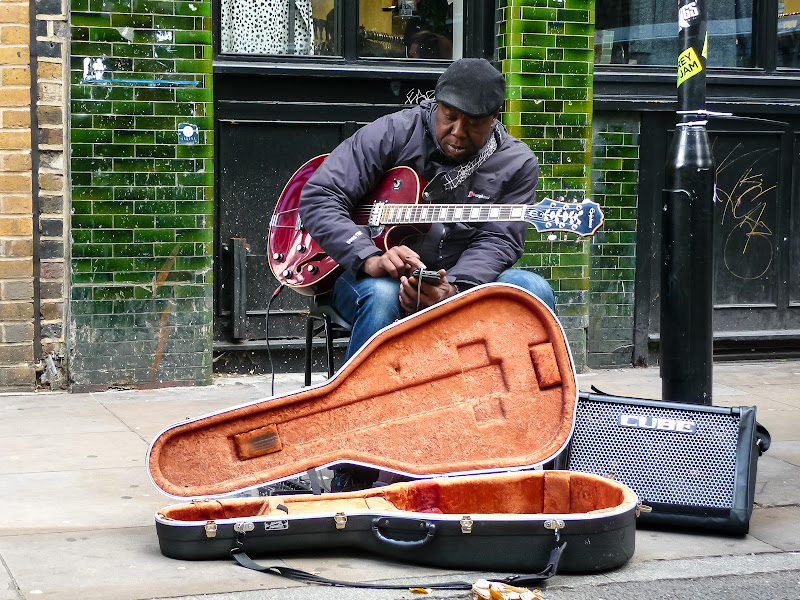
[309,342]
[328,343]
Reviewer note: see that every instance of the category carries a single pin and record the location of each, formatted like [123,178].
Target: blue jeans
[372,303]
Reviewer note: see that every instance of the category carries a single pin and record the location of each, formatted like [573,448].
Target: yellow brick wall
[17,354]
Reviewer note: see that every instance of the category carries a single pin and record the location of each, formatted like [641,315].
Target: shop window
[418,29]
[283,27]
[352,29]
[645,32]
[789,33]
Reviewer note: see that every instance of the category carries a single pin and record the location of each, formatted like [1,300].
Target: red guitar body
[298,261]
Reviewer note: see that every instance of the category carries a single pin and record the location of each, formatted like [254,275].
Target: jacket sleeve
[498,245]
[330,196]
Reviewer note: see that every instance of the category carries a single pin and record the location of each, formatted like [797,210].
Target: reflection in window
[292,27]
[789,33]
[421,29]
[645,32]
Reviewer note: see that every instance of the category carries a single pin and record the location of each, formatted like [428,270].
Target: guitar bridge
[375,214]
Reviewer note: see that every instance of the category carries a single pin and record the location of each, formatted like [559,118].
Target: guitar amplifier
[693,465]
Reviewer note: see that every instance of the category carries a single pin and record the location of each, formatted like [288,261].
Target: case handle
[427,526]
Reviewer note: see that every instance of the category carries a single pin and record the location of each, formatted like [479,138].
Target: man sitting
[459,136]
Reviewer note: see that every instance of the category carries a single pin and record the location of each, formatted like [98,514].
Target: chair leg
[309,343]
[329,343]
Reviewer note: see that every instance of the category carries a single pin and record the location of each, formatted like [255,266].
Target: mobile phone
[429,277]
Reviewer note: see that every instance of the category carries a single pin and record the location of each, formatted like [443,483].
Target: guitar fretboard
[404,214]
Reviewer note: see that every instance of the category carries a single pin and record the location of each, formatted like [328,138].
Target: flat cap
[473,86]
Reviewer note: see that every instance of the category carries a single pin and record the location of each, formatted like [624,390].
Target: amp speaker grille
[661,466]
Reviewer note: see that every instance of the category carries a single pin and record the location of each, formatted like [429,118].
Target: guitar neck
[408,214]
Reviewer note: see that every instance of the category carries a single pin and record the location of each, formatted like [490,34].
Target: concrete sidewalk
[78,506]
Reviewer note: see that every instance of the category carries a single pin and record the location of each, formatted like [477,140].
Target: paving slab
[32,416]
[656,544]
[148,414]
[764,405]
[79,505]
[78,500]
[350,565]
[148,419]
[777,482]
[118,564]
[788,452]
[783,425]
[787,396]
[8,589]
[70,452]
[713,566]
[780,525]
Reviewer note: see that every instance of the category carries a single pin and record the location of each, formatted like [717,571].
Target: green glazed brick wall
[545,48]
[615,174]
[142,205]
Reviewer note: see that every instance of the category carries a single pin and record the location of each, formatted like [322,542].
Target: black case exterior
[701,479]
[487,385]
[503,544]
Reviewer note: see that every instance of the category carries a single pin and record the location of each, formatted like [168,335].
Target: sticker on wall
[688,65]
[188,134]
[93,69]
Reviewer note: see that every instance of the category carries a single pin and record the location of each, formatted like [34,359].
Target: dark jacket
[471,253]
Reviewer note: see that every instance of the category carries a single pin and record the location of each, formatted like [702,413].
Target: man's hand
[395,263]
[414,296]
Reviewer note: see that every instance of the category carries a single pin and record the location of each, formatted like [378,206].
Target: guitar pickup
[375,214]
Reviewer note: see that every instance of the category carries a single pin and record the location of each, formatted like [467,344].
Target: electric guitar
[393,209]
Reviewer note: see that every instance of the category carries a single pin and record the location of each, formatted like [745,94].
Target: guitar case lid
[483,382]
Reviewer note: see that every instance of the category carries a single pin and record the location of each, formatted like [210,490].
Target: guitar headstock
[582,218]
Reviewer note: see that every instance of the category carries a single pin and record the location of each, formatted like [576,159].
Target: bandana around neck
[458,174]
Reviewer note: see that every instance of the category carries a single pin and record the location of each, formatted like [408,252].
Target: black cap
[473,86]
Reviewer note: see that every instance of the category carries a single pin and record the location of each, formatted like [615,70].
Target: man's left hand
[414,296]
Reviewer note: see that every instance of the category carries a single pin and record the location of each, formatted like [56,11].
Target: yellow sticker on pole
[688,65]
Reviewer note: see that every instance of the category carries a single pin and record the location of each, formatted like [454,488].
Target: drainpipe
[686,334]
[35,161]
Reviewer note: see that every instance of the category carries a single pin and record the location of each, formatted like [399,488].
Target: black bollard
[686,344]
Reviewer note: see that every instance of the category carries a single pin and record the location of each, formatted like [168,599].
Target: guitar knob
[313,269]
[301,248]
[287,274]
[278,257]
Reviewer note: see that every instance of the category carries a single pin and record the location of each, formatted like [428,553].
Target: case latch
[211,529]
[466,524]
[642,508]
[244,527]
[556,525]
[340,519]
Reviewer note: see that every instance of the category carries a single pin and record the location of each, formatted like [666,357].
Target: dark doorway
[756,245]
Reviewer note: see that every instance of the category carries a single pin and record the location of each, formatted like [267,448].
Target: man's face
[460,135]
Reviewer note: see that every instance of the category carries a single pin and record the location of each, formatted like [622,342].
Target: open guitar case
[469,398]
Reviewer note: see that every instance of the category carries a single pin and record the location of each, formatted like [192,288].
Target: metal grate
[687,469]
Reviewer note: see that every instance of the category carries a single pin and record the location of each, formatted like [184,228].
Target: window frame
[479,41]
[765,37]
